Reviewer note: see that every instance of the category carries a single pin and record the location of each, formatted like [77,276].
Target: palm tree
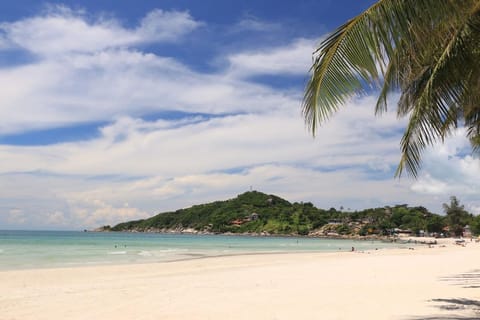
[456,215]
[428,50]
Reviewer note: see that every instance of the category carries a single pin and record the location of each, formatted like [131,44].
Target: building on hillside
[402,232]
[237,222]
[467,232]
[335,221]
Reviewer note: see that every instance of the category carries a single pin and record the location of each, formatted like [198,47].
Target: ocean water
[50,249]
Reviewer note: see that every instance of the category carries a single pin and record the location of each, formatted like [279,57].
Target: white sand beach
[425,283]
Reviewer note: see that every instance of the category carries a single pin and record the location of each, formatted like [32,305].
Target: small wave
[1,250]
[118,252]
[145,254]
[171,250]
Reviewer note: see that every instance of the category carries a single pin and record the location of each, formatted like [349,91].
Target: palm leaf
[438,94]
[415,46]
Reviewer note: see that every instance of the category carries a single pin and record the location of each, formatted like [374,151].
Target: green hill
[252,212]
[259,213]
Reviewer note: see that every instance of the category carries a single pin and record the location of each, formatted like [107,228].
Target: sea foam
[117,252]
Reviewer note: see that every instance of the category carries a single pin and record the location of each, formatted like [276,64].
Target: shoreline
[199,256]
[144,253]
[425,283]
[400,239]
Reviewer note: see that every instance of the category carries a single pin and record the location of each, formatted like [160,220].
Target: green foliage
[368,229]
[343,229]
[436,224]
[256,212]
[425,49]
[303,230]
[457,217]
[475,225]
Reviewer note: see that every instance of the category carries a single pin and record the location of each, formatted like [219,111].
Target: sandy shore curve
[442,282]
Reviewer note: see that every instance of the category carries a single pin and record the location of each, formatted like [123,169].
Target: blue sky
[117,110]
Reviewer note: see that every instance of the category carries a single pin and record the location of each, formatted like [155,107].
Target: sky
[118,110]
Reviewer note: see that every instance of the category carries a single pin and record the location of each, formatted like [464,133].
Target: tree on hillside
[435,224]
[475,225]
[428,50]
[457,218]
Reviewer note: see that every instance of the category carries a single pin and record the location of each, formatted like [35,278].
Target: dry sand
[425,283]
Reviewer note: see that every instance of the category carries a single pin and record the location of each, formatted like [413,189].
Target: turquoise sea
[50,249]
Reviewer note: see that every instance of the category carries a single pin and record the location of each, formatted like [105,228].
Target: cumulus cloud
[134,147]
[158,167]
[167,164]
[234,132]
[253,23]
[450,169]
[61,29]
[429,185]
[293,59]
[89,69]
[161,25]
[83,88]
[57,218]
[94,212]
[451,165]
[16,217]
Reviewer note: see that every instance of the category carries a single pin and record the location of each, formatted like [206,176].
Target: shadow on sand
[466,280]
[460,308]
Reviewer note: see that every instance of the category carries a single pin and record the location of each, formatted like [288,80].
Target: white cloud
[16,217]
[450,170]
[475,209]
[429,185]
[450,166]
[95,213]
[83,88]
[258,137]
[160,166]
[61,30]
[57,218]
[164,165]
[90,69]
[293,59]
[136,147]
[161,25]
[252,23]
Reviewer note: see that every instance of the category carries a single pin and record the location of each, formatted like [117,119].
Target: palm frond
[348,60]
[437,96]
[416,46]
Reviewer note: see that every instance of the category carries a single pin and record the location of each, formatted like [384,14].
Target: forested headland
[255,212]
